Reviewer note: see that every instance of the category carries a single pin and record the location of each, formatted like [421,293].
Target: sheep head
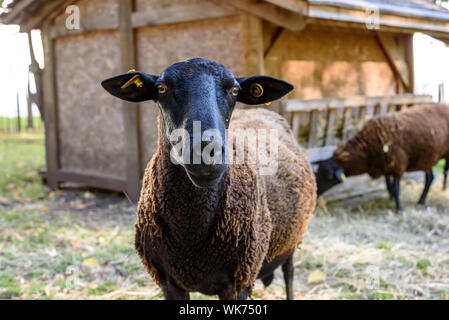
[196,98]
[329,174]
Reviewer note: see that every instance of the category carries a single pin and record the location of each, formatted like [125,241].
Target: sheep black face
[329,174]
[196,98]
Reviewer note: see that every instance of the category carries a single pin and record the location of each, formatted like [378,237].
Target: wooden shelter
[326,48]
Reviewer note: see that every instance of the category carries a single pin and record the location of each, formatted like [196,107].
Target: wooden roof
[416,8]
[405,16]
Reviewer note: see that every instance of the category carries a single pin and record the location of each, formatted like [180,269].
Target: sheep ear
[262,89]
[134,86]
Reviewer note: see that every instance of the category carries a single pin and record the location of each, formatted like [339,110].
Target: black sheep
[216,227]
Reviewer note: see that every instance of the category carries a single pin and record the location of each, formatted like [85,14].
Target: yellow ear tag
[256,90]
[132,70]
[136,80]
[267,103]
[343,177]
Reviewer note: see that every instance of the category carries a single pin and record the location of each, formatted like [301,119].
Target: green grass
[10,123]
[21,156]
[439,168]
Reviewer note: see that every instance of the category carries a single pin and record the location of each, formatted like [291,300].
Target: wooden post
[295,124]
[19,125]
[314,115]
[252,38]
[50,107]
[29,97]
[29,112]
[347,118]
[331,116]
[383,107]
[441,93]
[130,110]
[410,62]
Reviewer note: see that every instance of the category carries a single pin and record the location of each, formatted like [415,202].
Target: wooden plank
[48,10]
[409,57]
[106,182]
[282,17]
[318,154]
[181,13]
[362,113]
[50,107]
[252,40]
[347,123]
[296,122]
[331,116]
[130,110]
[299,6]
[391,107]
[376,109]
[353,194]
[396,61]
[98,23]
[272,42]
[151,17]
[383,107]
[345,17]
[16,11]
[314,117]
[29,94]
[408,98]
[293,105]
[370,109]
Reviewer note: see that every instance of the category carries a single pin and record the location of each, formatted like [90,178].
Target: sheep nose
[208,152]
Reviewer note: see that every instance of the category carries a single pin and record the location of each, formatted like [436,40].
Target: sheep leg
[288,270]
[268,279]
[172,292]
[389,183]
[396,184]
[429,179]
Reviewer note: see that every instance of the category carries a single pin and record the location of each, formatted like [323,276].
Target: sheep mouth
[205,180]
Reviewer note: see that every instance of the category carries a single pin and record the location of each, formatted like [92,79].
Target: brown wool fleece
[414,139]
[246,219]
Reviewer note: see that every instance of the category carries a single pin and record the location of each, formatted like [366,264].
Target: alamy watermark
[372,20]
[73,21]
[250,146]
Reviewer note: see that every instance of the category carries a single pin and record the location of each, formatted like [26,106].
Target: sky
[431,67]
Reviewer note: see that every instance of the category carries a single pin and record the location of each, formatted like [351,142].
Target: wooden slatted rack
[350,111]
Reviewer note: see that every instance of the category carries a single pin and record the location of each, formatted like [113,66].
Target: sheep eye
[161,88]
[235,91]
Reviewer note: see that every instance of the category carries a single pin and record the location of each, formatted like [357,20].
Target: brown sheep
[414,139]
[216,228]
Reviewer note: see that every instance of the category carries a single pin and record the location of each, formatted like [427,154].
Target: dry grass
[76,244]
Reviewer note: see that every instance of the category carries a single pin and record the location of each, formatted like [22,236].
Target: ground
[78,243]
